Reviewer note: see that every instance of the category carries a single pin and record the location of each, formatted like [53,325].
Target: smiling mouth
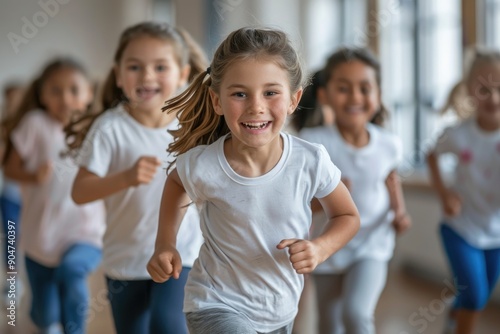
[256,126]
[145,92]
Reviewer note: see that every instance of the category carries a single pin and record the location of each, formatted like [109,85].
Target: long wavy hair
[198,122]
[348,54]
[186,50]
[32,97]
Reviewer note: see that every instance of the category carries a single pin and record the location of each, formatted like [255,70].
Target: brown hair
[458,97]
[199,124]
[345,55]
[32,97]
[186,51]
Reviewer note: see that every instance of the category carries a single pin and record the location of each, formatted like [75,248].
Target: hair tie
[208,70]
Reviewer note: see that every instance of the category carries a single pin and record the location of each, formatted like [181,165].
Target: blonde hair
[199,124]
[458,99]
[32,97]
[186,50]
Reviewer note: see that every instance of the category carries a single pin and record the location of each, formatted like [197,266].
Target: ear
[295,100]
[119,83]
[216,102]
[184,75]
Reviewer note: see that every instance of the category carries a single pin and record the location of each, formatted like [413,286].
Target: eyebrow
[349,81]
[140,61]
[271,84]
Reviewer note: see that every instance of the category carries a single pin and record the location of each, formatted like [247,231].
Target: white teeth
[256,125]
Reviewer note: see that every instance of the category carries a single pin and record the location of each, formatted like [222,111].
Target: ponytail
[199,124]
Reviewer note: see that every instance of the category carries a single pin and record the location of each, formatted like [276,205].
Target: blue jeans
[10,211]
[60,295]
[475,270]
[146,307]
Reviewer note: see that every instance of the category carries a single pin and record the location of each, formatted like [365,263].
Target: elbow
[76,195]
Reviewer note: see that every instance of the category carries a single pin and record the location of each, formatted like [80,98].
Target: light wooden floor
[404,295]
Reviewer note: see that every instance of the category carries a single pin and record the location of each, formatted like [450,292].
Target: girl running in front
[349,283]
[254,185]
[120,162]
[61,240]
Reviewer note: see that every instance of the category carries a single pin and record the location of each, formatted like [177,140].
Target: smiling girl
[349,283]
[120,161]
[254,185]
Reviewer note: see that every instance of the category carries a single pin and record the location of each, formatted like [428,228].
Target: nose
[148,73]
[356,96]
[67,99]
[256,105]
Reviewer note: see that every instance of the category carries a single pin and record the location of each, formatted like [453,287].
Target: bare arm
[450,201]
[14,169]
[89,187]
[166,261]
[402,221]
[343,224]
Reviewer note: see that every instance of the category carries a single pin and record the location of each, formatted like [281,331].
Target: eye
[365,90]
[483,90]
[342,89]
[133,67]
[239,94]
[74,90]
[270,93]
[161,68]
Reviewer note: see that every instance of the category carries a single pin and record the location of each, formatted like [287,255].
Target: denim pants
[476,271]
[146,307]
[60,295]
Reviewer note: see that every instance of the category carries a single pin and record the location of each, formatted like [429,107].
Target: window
[488,19]
[421,56]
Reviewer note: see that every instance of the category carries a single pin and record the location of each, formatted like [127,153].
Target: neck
[154,118]
[253,162]
[357,137]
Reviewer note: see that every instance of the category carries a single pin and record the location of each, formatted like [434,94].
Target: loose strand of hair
[198,122]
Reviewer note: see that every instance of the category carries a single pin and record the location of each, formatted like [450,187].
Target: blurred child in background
[61,240]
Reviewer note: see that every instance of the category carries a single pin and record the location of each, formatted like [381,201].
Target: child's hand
[164,264]
[143,170]
[452,203]
[304,254]
[401,222]
[43,173]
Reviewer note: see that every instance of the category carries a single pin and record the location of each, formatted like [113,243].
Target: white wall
[87,30]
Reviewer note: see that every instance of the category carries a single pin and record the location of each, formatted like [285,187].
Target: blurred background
[422,45]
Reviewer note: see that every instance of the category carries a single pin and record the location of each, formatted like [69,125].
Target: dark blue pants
[475,270]
[147,307]
[60,295]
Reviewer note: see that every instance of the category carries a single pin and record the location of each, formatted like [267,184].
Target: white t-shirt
[367,169]
[243,220]
[50,221]
[477,182]
[115,142]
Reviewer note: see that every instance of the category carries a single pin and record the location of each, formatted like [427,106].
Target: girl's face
[65,91]
[149,73]
[353,94]
[255,99]
[484,88]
